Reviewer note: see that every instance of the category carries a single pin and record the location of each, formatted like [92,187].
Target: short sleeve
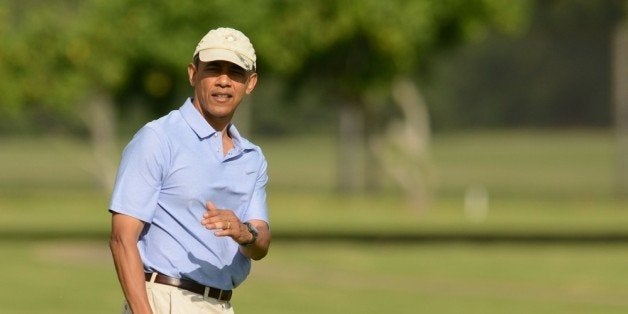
[140,175]
[257,208]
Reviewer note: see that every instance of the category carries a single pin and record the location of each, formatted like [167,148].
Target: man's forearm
[126,257]
[259,248]
[131,275]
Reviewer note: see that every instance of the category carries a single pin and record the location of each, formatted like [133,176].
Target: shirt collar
[238,139]
[195,120]
[203,130]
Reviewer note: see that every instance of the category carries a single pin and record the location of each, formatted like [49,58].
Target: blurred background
[451,156]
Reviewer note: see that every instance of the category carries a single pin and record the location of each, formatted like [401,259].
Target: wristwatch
[253,232]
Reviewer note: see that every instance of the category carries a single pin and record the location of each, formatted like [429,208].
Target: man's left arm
[255,247]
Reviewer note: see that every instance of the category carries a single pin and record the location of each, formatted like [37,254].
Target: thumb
[210,206]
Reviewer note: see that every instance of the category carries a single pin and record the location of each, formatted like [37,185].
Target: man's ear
[191,73]
[252,82]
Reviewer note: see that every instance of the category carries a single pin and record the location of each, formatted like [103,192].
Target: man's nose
[224,80]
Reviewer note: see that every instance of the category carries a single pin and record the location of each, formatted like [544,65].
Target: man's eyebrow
[212,64]
[230,66]
[233,67]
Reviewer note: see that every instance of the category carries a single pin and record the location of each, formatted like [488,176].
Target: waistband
[189,285]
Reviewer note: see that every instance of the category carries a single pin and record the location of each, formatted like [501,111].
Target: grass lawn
[442,278]
[307,277]
[54,223]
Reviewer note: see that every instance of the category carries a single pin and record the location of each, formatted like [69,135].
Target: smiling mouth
[221,96]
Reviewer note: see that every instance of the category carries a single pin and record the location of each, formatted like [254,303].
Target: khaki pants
[166,299]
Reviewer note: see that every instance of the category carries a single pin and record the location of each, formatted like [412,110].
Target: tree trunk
[620,99]
[372,169]
[99,116]
[403,150]
[350,147]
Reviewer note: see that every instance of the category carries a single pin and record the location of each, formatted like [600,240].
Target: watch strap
[253,232]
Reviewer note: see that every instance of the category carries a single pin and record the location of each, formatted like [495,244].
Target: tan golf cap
[227,44]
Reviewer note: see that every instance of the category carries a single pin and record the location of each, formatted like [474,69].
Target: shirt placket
[216,144]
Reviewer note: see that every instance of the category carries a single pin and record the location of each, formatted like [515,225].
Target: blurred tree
[620,100]
[81,58]
[568,70]
[49,68]
[358,53]
[556,75]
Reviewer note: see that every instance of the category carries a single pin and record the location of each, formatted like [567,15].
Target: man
[189,203]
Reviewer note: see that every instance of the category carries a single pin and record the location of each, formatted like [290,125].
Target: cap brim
[217,54]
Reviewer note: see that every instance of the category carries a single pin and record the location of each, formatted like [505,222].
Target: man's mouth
[221,96]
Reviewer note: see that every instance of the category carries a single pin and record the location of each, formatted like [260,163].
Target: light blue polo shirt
[171,167]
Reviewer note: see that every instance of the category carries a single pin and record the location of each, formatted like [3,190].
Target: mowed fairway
[443,278]
[77,277]
[54,224]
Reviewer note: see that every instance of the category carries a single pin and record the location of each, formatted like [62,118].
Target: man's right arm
[125,232]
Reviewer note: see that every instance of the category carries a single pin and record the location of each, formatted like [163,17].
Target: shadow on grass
[434,237]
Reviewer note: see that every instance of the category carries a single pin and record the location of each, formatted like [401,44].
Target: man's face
[219,87]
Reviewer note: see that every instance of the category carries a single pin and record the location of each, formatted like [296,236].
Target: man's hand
[225,223]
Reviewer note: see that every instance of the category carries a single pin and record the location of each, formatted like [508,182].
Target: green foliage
[354,51]
[57,53]
[399,31]
[558,73]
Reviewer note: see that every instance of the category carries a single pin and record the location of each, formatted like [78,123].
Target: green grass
[340,278]
[57,277]
[304,277]
[535,164]
[539,182]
